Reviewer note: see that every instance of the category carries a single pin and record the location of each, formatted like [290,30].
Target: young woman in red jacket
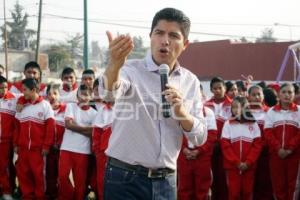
[241,146]
[282,135]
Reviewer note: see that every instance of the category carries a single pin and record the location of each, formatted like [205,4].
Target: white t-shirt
[104,117]
[68,97]
[73,141]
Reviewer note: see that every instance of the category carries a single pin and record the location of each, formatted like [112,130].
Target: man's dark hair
[173,15]
[88,72]
[67,71]
[31,83]
[216,80]
[2,67]
[3,79]
[32,64]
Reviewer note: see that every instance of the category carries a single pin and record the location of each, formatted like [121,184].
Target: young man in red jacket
[194,164]
[32,140]
[7,121]
[221,105]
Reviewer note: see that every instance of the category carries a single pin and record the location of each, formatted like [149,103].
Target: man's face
[69,79]
[218,89]
[32,73]
[88,80]
[167,42]
[3,89]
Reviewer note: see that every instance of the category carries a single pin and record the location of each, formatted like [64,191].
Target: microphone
[164,73]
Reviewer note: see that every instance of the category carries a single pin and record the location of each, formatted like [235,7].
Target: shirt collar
[293,107]
[8,96]
[153,67]
[38,100]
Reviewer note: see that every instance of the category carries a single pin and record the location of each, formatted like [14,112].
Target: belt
[150,173]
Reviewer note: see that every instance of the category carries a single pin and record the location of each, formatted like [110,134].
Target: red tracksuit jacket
[222,111]
[35,126]
[282,129]
[240,142]
[7,117]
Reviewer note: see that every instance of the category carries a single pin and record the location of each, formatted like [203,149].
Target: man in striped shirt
[144,146]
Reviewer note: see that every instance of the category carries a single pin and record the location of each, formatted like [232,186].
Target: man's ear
[186,44]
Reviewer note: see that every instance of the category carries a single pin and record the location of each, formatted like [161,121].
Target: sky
[211,19]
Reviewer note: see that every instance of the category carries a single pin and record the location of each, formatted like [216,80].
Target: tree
[59,57]
[75,46]
[243,40]
[267,36]
[19,36]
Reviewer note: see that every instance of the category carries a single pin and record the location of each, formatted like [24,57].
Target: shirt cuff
[198,135]
[109,96]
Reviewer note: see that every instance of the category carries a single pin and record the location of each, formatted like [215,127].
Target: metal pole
[5,41]
[85,50]
[38,32]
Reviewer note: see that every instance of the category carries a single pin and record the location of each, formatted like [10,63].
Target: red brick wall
[230,60]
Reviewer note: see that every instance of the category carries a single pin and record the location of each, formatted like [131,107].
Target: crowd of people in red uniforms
[60,132]
[253,145]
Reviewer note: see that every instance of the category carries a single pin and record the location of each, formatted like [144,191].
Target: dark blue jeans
[120,184]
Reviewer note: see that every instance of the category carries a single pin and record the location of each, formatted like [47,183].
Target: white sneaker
[7,197]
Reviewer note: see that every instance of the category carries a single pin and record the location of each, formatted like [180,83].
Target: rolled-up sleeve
[198,134]
[111,96]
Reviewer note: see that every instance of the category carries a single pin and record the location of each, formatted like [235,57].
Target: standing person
[53,156]
[144,146]
[241,146]
[262,184]
[100,137]
[31,70]
[282,136]
[68,91]
[7,123]
[76,146]
[194,164]
[33,138]
[220,103]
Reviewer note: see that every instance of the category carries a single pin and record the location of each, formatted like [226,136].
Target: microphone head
[164,69]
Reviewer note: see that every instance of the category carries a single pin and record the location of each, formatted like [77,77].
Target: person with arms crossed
[144,146]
